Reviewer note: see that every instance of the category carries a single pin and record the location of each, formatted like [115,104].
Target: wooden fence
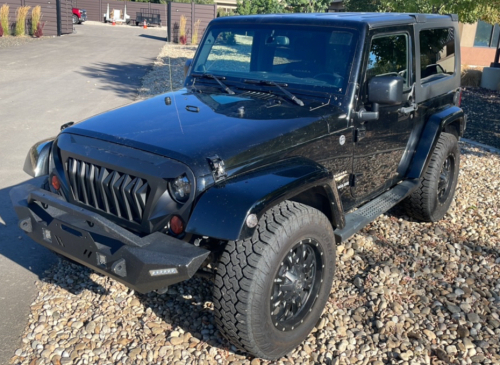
[193,12]
[170,14]
[56,14]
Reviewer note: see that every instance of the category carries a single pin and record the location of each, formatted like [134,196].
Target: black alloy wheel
[446,178]
[296,285]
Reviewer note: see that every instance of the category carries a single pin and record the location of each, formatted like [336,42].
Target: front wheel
[75,19]
[270,290]
[431,200]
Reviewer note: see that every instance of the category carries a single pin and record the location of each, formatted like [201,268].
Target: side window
[437,53]
[389,56]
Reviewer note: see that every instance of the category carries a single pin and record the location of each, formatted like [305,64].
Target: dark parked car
[292,133]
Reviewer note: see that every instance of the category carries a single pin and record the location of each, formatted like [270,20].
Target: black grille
[111,191]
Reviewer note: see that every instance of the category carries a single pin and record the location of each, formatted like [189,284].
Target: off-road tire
[245,280]
[425,203]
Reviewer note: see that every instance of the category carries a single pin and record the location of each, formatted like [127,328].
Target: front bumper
[94,241]
[83,16]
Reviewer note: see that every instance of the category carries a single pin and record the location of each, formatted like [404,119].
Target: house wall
[477,56]
[470,55]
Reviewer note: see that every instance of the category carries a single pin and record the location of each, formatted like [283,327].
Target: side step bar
[357,220]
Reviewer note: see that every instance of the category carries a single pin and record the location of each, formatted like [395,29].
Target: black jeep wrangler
[292,133]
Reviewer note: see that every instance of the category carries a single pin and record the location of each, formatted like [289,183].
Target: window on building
[437,53]
[486,35]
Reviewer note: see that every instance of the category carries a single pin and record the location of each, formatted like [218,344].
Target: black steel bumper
[144,264]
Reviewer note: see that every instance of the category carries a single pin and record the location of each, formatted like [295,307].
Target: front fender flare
[222,210]
[429,137]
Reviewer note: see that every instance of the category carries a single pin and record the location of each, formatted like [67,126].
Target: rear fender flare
[222,210]
[436,124]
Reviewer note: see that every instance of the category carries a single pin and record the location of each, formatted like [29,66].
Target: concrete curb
[481,145]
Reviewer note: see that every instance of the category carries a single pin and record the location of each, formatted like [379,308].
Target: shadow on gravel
[188,305]
[123,78]
[15,245]
[481,107]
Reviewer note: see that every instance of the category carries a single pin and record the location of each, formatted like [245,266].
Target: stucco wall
[477,56]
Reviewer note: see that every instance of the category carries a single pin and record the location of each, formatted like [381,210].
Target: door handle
[409,109]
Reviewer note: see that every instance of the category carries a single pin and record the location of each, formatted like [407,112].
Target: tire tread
[239,264]
[417,205]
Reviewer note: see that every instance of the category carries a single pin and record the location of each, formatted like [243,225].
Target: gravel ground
[162,78]
[482,107]
[11,41]
[405,292]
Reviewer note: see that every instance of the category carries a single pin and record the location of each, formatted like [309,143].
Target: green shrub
[36,15]
[21,14]
[4,18]
[194,38]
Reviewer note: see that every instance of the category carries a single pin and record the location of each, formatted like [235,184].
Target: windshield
[303,57]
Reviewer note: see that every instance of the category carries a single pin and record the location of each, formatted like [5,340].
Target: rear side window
[437,54]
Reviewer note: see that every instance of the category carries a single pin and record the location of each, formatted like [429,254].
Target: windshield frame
[295,87]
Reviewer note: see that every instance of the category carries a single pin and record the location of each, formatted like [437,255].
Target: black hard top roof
[372,20]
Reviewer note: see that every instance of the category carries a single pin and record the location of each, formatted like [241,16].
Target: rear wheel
[432,199]
[270,290]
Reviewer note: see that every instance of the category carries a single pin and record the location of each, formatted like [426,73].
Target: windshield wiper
[295,99]
[218,79]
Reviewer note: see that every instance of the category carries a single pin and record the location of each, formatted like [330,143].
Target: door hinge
[359,134]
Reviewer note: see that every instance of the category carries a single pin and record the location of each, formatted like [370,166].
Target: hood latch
[217,166]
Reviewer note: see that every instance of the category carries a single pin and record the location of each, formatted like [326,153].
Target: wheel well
[316,198]
[453,128]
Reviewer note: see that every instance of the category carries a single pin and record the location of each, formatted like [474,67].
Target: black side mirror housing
[386,90]
[187,66]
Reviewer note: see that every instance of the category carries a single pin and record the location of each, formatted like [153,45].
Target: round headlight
[180,189]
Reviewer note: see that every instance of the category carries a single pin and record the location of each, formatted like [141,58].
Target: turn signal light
[56,184]
[176,225]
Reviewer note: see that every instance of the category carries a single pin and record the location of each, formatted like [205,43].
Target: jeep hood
[190,127]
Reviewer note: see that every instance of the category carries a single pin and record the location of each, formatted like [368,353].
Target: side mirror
[187,66]
[386,90]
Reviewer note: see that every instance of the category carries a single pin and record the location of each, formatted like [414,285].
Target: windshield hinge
[359,133]
[218,168]
[353,179]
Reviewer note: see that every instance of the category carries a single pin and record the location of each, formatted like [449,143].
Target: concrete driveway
[45,84]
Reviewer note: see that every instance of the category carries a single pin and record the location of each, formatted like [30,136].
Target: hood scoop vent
[258,95]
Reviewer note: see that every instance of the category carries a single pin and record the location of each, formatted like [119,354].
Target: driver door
[380,144]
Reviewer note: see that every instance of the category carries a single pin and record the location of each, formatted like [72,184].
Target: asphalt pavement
[42,86]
